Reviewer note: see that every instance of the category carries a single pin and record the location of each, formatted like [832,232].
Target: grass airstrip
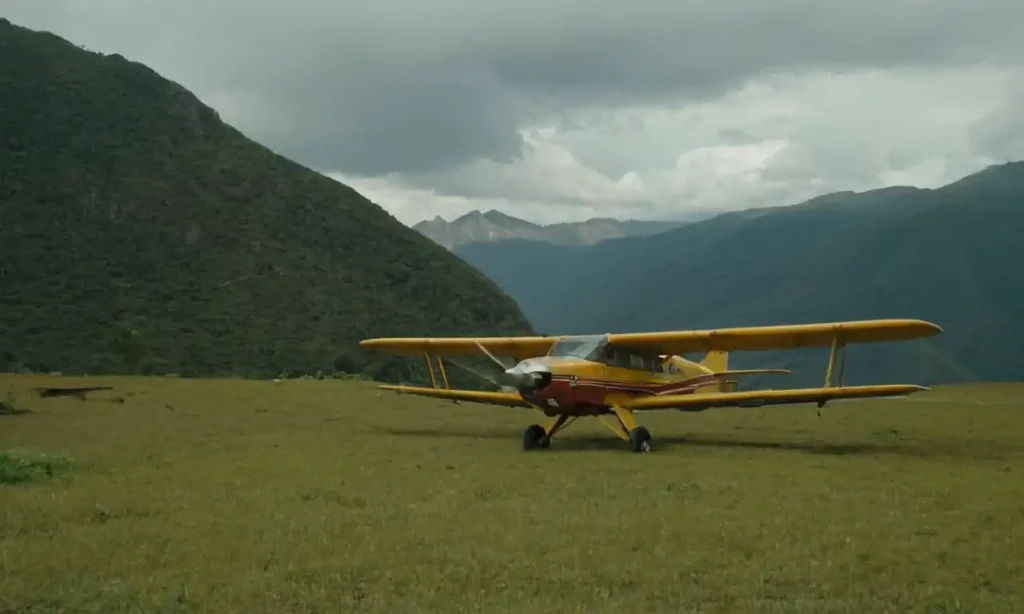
[173,495]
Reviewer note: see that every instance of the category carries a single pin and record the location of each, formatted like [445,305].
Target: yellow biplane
[611,376]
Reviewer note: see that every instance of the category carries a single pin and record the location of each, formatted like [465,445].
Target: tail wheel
[640,438]
[535,437]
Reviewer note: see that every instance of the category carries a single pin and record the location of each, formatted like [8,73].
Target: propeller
[494,358]
[484,376]
[514,377]
[510,378]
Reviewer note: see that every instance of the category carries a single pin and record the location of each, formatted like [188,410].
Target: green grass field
[330,496]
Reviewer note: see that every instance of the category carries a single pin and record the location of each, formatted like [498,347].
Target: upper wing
[777,337]
[755,398]
[675,342]
[520,348]
[508,399]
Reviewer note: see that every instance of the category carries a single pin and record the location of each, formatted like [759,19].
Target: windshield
[587,348]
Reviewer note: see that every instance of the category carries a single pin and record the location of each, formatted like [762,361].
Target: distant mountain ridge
[493,225]
[949,255]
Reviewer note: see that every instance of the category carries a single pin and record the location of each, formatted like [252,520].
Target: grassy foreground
[329,496]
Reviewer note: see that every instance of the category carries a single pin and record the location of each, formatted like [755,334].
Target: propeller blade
[507,380]
[491,356]
[482,376]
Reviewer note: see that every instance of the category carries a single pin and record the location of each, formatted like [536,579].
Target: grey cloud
[839,164]
[1001,133]
[648,50]
[410,86]
[734,136]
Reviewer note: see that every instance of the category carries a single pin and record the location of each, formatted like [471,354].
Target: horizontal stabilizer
[753,372]
[757,398]
[508,399]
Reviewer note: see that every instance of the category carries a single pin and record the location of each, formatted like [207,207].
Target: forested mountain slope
[139,231]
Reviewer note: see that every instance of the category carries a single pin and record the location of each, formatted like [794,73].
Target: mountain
[949,255]
[139,231]
[475,227]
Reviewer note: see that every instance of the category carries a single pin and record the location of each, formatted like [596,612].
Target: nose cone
[531,365]
[528,376]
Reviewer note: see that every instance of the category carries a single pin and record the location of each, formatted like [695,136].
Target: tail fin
[716,360]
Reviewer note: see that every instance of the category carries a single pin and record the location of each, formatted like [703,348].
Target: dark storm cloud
[411,121]
[412,86]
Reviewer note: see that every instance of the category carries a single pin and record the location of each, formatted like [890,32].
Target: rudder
[716,360]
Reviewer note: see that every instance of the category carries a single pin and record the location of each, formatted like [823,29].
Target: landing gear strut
[623,424]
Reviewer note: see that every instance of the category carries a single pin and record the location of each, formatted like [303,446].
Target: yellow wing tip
[931,327]
[921,328]
[387,340]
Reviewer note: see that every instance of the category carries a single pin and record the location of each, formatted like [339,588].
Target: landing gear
[623,424]
[640,438]
[535,437]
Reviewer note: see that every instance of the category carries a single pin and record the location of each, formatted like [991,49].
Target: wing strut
[444,374]
[830,382]
[430,368]
[440,366]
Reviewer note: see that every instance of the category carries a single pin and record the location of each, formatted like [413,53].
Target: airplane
[611,376]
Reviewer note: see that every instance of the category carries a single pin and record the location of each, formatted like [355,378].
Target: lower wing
[508,399]
[757,398]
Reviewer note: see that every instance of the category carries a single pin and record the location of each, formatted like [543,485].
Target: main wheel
[640,438]
[534,437]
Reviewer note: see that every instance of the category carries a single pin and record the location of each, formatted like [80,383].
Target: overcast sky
[562,110]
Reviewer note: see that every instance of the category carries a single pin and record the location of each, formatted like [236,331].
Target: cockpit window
[628,359]
[587,348]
